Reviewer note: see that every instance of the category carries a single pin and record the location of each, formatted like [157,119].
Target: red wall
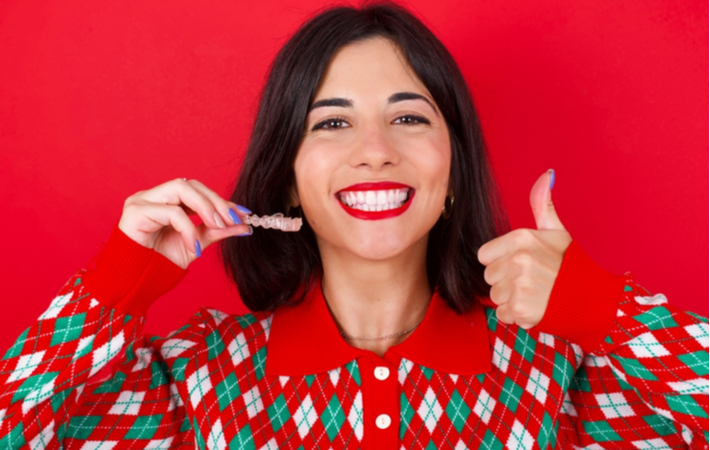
[101,99]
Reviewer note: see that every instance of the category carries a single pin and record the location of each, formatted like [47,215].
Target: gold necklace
[379,338]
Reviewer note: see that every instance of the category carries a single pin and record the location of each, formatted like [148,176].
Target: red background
[99,100]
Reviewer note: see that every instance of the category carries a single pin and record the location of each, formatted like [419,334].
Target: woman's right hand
[158,219]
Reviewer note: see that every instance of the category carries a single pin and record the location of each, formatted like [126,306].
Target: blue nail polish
[248,233]
[233,215]
[198,249]
[243,209]
[552,179]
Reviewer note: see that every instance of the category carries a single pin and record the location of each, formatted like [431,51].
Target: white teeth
[381,197]
[371,198]
[375,200]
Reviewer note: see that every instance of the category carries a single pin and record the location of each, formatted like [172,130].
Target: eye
[331,123]
[411,120]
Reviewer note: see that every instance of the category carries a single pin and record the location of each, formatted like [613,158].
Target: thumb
[541,203]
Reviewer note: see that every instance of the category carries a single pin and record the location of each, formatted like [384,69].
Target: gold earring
[446,212]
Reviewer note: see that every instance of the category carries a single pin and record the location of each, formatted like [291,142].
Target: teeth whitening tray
[277,221]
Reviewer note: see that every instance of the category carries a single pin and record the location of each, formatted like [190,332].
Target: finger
[222,206]
[181,192]
[163,193]
[541,202]
[174,216]
[209,236]
[504,314]
[503,246]
[497,270]
[500,293]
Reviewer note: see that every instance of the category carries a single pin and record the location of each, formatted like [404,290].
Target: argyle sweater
[609,367]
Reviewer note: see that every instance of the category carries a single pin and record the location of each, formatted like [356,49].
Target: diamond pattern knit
[204,385]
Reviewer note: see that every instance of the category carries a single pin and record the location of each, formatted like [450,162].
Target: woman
[369,328]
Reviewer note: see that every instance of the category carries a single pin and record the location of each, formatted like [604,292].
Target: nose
[374,149]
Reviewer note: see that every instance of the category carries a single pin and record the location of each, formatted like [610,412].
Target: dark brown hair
[272,268]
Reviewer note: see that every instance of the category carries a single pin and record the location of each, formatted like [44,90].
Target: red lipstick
[378,186]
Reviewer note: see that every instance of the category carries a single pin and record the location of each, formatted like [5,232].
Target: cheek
[313,170]
[436,163]
[445,167]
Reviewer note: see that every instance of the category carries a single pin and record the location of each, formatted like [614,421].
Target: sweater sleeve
[45,372]
[644,380]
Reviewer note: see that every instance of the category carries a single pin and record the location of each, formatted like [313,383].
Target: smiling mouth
[375,200]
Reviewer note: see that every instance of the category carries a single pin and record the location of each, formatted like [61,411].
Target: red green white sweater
[609,367]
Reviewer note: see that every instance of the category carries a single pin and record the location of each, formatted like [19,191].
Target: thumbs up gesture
[522,265]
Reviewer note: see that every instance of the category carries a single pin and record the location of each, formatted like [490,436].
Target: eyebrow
[394,98]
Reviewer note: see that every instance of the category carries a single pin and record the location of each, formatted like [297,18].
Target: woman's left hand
[522,265]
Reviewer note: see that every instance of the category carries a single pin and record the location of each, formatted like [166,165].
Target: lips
[376,201]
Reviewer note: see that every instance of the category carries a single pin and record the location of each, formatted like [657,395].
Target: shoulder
[216,335]
[225,329]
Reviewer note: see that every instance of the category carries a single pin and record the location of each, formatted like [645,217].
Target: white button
[383,421]
[382,372]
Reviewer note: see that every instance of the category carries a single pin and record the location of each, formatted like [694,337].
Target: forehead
[375,65]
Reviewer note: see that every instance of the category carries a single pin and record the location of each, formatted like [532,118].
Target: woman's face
[373,169]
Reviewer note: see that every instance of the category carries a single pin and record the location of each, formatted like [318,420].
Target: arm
[645,376]
[45,373]
[142,405]
[87,325]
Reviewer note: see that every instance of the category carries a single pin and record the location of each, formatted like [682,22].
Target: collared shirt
[288,380]
[304,341]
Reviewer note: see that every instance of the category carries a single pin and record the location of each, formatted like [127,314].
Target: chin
[382,248]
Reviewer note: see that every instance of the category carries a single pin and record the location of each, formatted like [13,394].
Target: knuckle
[503,316]
[208,208]
[521,284]
[522,258]
[522,236]
[133,199]
[487,274]
[199,183]
[493,293]
[518,310]
[131,204]
[175,210]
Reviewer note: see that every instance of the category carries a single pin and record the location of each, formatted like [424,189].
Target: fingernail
[198,249]
[243,209]
[552,178]
[233,215]
[248,233]
[220,222]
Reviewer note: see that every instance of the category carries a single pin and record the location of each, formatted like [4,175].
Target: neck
[376,298]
